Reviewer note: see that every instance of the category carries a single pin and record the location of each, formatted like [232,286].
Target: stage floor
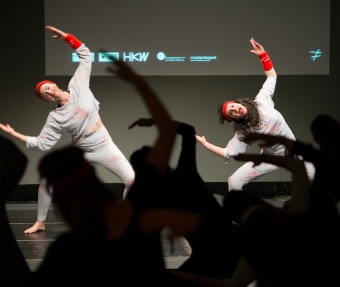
[34,246]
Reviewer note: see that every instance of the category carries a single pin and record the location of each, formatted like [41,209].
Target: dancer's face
[236,111]
[50,92]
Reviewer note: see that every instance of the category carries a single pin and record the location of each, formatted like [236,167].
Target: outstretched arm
[142,123]
[213,148]
[307,151]
[8,129]
[84,69]
[160,153]
[265,60]
[300,183]
[48,137]
[266,140]
[234,147]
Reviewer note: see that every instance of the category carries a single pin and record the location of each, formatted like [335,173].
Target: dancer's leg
[111,158]
[247,173]
[44,202]
[13,267]
[310,168]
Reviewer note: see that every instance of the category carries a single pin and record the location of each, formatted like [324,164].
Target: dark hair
[245,125]
[82,204]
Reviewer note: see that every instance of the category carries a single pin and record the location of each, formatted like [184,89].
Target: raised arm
[68,38]
[300,183]
[160,153]
[266,140]
[84,69]
[265,60]
[187,159]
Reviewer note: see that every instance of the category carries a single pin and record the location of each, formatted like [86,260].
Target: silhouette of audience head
[77,191]
[325,130]
[236,202]
[138,157]
[269,237]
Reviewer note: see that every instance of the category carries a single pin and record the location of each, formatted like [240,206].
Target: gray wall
[189,99]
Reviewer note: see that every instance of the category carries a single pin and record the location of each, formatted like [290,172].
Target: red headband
[37,87]
[224,111]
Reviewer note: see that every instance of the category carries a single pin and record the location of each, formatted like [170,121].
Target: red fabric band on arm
[265,61]
[72,41]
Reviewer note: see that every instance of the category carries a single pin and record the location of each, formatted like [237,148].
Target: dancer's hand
[258,49]
[123,71]
[7,128]
[58,34]
[142,123]
[201,139]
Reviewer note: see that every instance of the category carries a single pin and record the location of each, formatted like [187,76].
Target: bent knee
[129,182]
[234,183]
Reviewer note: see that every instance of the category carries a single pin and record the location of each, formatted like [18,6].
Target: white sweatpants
[99,149]
[247,173]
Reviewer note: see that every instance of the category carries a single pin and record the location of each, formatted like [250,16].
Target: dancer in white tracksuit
[258,116]
[76,113]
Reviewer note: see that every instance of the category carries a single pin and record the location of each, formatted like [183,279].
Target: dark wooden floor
[34,246]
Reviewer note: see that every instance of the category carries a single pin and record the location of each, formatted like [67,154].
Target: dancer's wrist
[72,41]
[265,61]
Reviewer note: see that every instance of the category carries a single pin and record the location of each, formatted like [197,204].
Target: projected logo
[162,57]
[317,54]
[202,58]
[132,57]
[106,57]
[75,57]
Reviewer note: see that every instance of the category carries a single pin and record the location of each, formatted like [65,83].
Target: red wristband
[224,111]
[265,61]
[72,41]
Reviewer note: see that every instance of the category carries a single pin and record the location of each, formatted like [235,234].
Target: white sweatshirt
[78,116]
[272,123]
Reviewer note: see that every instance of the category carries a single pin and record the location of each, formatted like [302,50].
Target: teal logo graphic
[133,57]
[317,54]
[203,58]
[105,57]
[161,56]
[75,57]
